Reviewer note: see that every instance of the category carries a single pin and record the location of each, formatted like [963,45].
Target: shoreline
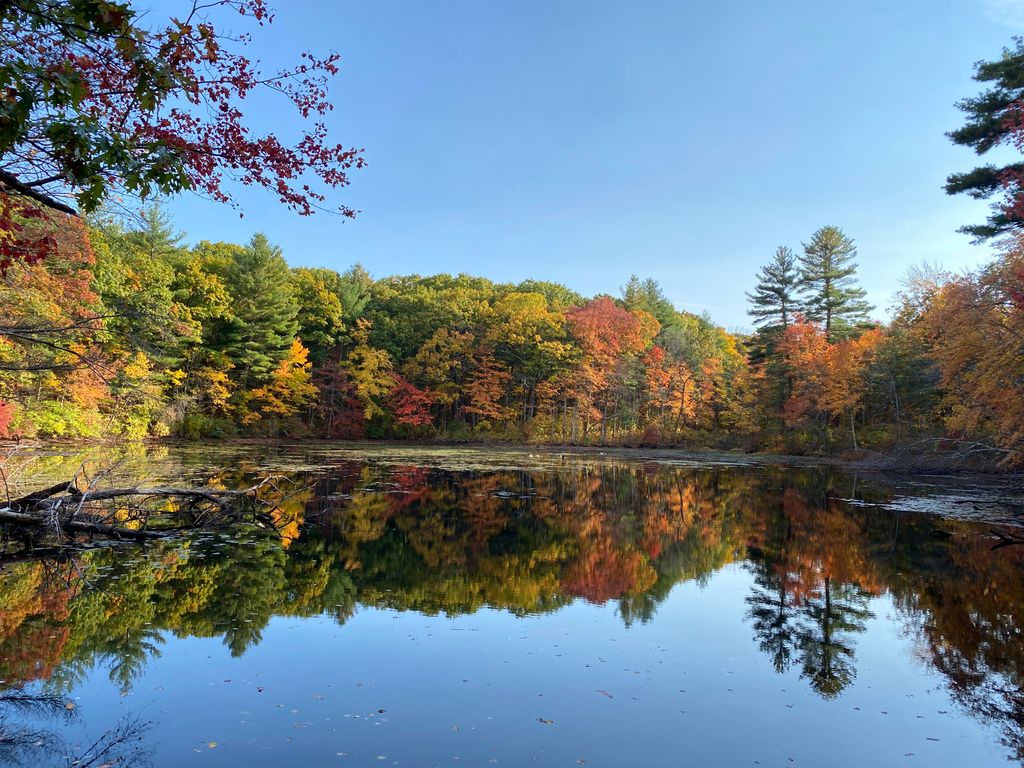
[892,463]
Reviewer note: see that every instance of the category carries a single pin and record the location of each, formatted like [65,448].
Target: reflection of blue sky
[474,687]
[579,141]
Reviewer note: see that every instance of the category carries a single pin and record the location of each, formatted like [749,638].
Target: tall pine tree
[264,324]
[775,297]
[994,120]
[828,274]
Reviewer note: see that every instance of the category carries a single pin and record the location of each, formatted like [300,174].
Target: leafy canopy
[96,102]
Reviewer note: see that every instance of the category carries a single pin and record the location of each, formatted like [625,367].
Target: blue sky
[581,140]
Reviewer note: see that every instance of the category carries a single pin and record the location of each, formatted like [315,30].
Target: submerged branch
[78,526]
[138,512]
[943,454]
[1005,540]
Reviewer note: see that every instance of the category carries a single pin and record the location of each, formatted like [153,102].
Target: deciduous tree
[100,98]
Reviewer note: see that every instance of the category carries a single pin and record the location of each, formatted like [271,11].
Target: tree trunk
[79,526]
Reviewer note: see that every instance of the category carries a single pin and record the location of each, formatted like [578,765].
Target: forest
[122,331]
[111,326]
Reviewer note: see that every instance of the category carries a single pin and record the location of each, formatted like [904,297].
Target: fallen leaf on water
[212,745]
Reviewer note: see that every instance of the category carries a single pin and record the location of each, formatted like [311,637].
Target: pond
[477,607]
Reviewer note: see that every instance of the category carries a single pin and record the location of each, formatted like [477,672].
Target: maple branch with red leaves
[94,104]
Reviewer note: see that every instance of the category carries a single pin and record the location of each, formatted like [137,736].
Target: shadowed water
[468,607]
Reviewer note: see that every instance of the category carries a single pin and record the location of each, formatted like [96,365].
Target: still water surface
[474,608]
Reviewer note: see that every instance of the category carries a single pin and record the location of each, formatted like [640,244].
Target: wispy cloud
[1009,13]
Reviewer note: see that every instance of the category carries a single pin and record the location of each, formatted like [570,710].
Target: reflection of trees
[965,618]
[527,542]
[815,623]
[29,725]
[22,740]
[830,617]
[809,562]
[772,612]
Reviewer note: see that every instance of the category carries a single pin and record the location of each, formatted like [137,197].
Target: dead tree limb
[32,499]
[1005,540]
[141,512]
[79,526]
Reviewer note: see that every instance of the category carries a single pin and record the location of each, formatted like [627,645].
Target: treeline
[123,331]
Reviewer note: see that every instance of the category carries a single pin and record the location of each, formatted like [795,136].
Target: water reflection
[31,734]
[526,542]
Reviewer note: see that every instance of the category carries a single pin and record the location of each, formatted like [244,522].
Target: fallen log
[1004,539]
[78,526]
[129,513]
[26,502]
[212,496]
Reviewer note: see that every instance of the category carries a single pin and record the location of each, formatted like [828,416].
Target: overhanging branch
[14,185]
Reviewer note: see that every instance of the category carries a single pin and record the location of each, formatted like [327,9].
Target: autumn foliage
[123,331]
[974,324]
[100,99]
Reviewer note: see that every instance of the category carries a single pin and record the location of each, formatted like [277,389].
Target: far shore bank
[897,462]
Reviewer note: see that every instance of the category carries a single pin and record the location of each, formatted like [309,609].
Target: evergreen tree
[134,272]
[775,297]
[827,273]
[155,235]
[264,324]
[683,335]
[994,120]
[648,296]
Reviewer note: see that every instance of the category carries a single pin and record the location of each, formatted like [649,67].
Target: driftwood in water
[1005,540]
[77,526]
[943,454]
[62,492]
[25,502]
[130,512]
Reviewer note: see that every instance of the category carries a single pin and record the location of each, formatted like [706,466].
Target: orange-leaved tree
[975,325]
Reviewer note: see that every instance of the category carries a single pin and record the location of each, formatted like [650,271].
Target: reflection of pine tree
[771,610]
[825,645]
[639,607]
